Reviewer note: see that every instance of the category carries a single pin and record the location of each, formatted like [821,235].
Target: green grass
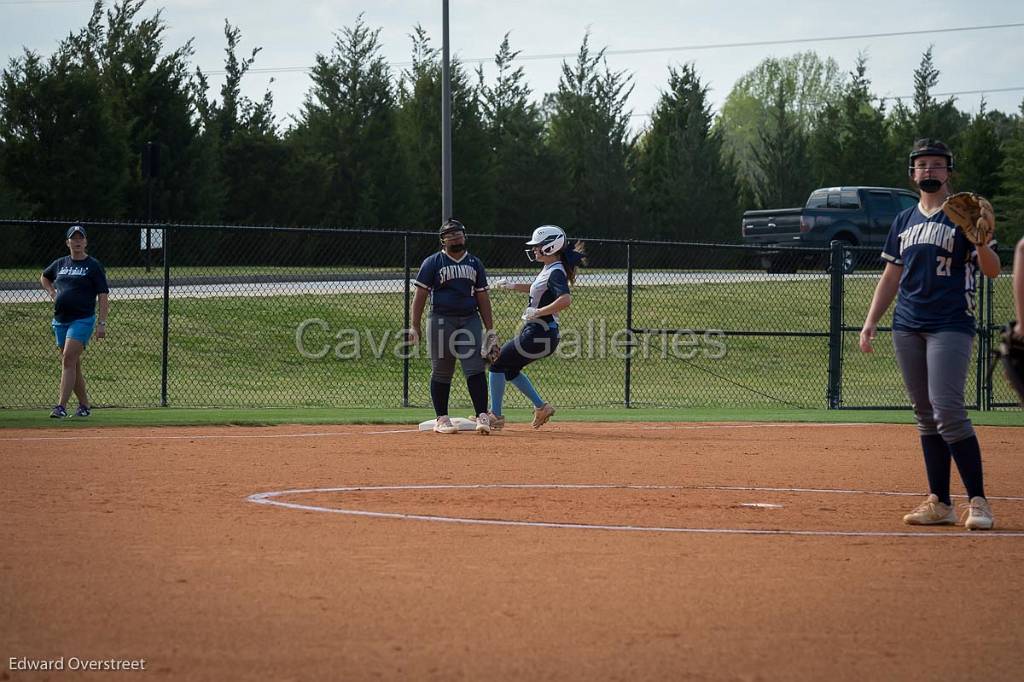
[238,352]
[155,417]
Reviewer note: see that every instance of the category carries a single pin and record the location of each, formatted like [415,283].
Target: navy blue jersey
[453,284]
[940,272]
[551,283]
[77,283]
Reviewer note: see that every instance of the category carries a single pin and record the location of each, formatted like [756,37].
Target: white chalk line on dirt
[217,436]
[268,498]
[326,434]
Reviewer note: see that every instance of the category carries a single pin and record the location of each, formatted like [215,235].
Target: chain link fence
[291,317]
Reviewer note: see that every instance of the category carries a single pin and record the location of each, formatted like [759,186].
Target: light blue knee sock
[523,384]
[497,391]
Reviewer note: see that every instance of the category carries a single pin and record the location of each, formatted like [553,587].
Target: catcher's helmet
[449,226]
[549,238]
[927,146]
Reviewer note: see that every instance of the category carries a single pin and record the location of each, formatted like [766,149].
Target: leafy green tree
[844,145]
[348,126]
[927,117]
[683,188]
[1004,124]
[64,150]
[781,160]
[522,168]
[22,245]
[10,202]
[942,118]
[242,136]
[155,97]
[863,158]
[235,113]
[808,84]
[588,130]
[419,133]
[825,147]
[979,156]
[1009,201]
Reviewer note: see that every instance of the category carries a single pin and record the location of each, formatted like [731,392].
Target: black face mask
[456,248]
[930,185]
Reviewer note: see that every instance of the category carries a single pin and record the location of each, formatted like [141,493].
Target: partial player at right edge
[1011,346]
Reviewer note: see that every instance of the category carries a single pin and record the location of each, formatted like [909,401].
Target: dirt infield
[582,552]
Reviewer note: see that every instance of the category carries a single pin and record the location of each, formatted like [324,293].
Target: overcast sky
[989,60]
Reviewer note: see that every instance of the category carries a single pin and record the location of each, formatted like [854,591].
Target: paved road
[390,286]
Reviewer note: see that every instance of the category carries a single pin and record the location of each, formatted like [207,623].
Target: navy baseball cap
[73,229]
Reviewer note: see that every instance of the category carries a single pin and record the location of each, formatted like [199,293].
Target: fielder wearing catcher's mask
[456,283]
[933,267]
[538,338]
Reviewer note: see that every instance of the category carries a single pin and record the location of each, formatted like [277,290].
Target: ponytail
[572,259]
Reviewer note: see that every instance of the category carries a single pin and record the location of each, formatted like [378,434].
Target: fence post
[835,326]
[990,297]
[405,360]
[984,379]
[629,322]
[167,315]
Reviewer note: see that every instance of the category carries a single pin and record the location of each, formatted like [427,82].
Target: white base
[461,422]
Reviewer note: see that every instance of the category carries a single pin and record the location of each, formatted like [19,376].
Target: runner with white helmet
[538,338]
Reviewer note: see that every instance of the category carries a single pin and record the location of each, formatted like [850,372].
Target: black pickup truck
[860,216]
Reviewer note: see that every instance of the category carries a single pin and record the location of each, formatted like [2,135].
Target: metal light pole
[446,120]
[148,163]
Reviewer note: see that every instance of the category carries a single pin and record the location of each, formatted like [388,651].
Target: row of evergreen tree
[364,149]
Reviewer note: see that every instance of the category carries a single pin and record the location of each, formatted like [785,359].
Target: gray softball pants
[451,337]
[934,367]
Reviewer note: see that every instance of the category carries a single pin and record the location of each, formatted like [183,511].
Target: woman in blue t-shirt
[934,269]
[549,295]
[75,283]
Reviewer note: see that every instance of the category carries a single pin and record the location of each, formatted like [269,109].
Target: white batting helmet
[549,238]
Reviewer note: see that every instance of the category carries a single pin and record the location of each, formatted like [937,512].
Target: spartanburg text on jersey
[453,284]
[940,273]
[551,283]
[77,283]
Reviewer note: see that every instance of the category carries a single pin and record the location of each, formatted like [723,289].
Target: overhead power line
[681,48]
[788,41]
[961,92]
[1019,88]
[43,2]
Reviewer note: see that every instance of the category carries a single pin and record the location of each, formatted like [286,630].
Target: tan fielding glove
[973,214]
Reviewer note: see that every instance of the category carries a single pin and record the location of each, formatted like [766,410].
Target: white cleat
[979,515]
[444,425]
[931,512]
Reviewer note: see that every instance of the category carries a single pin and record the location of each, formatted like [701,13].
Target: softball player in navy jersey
[75,283]
[934,269]
[549,295]
[457,285]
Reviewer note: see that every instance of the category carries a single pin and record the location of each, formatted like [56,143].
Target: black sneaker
[82,411]
[58,412]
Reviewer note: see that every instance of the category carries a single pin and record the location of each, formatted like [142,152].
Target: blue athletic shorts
[79,330]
